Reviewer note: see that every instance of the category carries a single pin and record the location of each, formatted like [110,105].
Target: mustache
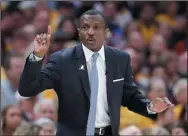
[93,38]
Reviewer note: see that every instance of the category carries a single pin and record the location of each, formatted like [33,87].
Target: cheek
[82,36]
[14,121]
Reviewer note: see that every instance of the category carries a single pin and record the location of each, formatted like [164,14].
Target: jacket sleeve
[35,78]
[133,99]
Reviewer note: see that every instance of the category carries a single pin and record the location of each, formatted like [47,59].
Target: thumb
[49,30]
[49,35]
[48,39]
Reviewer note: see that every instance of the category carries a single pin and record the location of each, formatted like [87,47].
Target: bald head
[136,40]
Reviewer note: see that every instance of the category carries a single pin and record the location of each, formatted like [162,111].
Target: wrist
[40,55]
[150,106]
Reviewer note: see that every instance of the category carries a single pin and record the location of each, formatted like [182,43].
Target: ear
[78,29]
[107,31]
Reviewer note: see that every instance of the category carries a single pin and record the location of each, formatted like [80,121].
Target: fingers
[49,30]
[38,38]
[44,38]
[167,102]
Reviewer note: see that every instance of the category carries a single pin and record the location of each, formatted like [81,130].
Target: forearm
[138,103]
[30,79]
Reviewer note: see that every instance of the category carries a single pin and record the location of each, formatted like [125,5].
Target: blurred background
[155,34]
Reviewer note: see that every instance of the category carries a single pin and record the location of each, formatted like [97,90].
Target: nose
[91,31]
[48,115]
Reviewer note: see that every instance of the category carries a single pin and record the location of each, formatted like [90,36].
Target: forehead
[92,19]
[13,110]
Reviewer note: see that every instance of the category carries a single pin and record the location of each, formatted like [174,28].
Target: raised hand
[160,104]
[42,43]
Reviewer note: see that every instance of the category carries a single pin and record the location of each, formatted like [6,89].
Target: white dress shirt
[102,117]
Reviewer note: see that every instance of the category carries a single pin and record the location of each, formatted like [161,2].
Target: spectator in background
[7,98]
[157,51]
[165,118]
[157,131]
[16,15]
[135,60]
[176,129]
[183,118]
[42,5]
[26,104]
[156,89]
[158,45]
[110,12]
[69,25]
[159,72]
[165,30]
[28,10]
[41,21]
[20,42]
[63,9]
[170,8]
[136,41]
[179,34]
[131,130]
[180,94]
[27,129]
[147,24]
[48,127]
[11,119]
[13,67]
[45,108]
[124,16]
[171,66]
[14,64]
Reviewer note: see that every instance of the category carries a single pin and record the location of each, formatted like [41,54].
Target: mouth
[90,40]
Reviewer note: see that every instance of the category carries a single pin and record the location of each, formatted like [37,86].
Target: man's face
[47,111]
[13,117]
[147,13]
[92,31]
[17,65]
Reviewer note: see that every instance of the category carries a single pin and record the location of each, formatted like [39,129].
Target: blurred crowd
[155,34]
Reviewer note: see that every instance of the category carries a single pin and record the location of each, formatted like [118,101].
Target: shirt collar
[88,53]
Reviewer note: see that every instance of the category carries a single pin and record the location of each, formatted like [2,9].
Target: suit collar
[82,71]
[79,51]
[88,53]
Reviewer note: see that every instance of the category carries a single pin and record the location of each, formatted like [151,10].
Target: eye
[85,27]
[96,27]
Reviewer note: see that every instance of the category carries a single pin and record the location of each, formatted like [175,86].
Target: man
[78,73]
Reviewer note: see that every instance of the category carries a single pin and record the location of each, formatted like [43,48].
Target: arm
[36,79]
[132,98]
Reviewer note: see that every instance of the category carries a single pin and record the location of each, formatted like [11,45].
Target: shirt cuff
[149,111]
[34,58]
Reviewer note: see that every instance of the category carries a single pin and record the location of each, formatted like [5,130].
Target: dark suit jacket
[72,87]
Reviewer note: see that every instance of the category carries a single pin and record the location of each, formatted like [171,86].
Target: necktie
[93,98]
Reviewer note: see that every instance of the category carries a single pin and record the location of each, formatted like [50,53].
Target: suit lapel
[110,69]
[83,73]
[82,70]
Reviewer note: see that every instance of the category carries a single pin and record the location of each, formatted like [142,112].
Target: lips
[91,40]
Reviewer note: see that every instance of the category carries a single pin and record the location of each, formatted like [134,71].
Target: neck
[148,23]
[160,122]
[14,83]
[8,131]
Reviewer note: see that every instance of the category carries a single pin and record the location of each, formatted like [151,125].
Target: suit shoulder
[118,52]
[61,54]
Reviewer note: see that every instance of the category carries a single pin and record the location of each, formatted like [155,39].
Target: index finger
[49,30]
